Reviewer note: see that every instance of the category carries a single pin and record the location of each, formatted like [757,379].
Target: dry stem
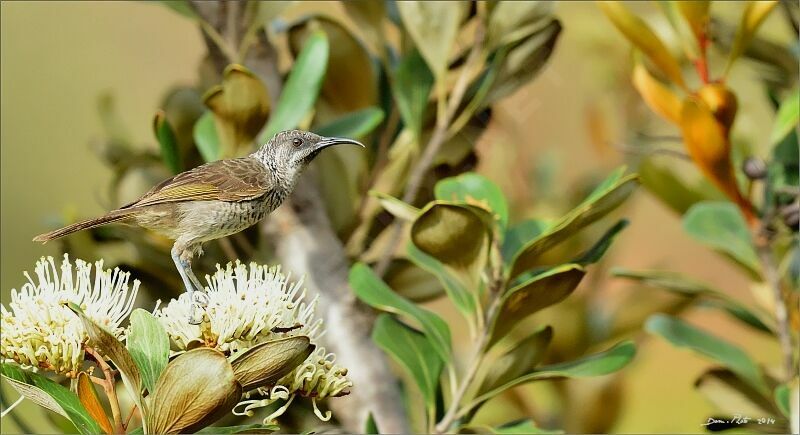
[108,387]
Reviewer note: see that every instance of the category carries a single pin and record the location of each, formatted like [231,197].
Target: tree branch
[307,246]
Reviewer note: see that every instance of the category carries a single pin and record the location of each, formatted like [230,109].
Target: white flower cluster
[247,306]
[39,331]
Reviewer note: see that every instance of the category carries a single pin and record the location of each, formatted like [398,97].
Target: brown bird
[216,199]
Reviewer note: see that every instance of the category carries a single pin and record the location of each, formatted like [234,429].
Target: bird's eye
[297,141]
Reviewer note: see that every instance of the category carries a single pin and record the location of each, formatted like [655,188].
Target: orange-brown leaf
[709,146]
[640,34]
[90,401]
[658,96]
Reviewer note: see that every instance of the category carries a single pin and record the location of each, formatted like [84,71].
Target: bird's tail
[114,216]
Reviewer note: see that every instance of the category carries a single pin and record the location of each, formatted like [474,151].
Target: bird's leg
[199,296]
[181,265]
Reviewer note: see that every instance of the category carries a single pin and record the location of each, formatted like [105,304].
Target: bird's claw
[200,299]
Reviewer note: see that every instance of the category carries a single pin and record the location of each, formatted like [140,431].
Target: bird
[215,200]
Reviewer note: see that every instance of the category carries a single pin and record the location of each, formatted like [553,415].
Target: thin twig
[435,143]
[474,362]
[108,386]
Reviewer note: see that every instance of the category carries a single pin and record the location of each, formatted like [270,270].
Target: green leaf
[453,286]
[148,344]
[517,361]
[596,252]
[412,87]
[168,142]
[371,427]
[245,428]
[109,346]
[788,117]
[672,189]
[782,399]
[682,334]
[433,26]
[355,124]
[721,226]
[598,364]
[412,350]
[302,86]
[679,284]
[541,291]
[50,395]
[473,188]
[375,293]
[206,138]
[607,197]
[518,235]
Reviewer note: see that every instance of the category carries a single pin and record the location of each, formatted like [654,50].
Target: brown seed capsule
[754,168]
[790,214]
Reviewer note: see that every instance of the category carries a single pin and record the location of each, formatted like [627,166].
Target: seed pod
[266,363]
[196,389]
[754,168]
[790,214]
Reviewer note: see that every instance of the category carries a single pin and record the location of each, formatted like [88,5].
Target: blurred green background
[59,57]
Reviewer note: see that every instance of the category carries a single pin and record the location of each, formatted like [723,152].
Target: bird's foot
[194,320]
[200,299]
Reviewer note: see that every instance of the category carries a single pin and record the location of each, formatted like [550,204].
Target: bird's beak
[330,141]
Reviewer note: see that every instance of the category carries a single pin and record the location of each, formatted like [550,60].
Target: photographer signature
[740,419]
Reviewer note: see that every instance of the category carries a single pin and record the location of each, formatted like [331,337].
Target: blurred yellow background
[58,57]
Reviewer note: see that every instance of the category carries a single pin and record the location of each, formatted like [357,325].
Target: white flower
[39,331]
[248,306]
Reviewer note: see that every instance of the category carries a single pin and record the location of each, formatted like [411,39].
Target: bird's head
[290,151]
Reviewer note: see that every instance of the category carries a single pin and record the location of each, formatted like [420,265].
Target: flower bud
[754,168]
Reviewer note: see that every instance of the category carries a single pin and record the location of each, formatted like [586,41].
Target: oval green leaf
[414,352]
[682,334]
[375,293]
[148,344]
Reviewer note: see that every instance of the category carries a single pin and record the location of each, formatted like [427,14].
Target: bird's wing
[230,180]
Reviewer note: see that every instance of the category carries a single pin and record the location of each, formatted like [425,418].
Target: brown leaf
[196,389]
[90,401]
